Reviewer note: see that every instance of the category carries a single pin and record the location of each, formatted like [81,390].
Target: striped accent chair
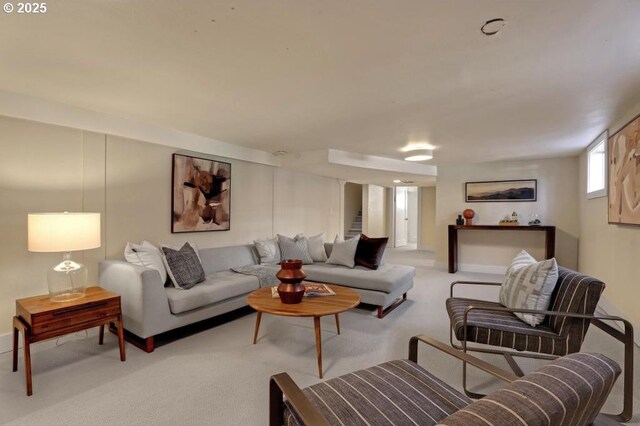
[571,311]
[491,324]
[568,391]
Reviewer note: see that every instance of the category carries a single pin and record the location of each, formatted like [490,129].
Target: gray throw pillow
[528,284]
[268,250]
[344,252]
[297,248]
[183,266]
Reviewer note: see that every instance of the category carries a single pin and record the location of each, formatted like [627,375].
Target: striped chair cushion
[504,329]
[568,391]
[393,393]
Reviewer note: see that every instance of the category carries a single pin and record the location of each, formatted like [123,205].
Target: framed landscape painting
[501,190]
[201,195]
[624,174]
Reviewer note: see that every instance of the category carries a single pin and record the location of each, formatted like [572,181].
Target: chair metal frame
[626,337]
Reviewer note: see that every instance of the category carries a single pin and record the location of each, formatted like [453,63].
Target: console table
[549,232]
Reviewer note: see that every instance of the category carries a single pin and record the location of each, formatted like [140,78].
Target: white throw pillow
[316,247]
[344,252]
[269,251]
[166,264]
[147,255]
[528,284]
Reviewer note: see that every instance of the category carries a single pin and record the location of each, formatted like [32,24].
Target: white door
[401,217]
[412,215]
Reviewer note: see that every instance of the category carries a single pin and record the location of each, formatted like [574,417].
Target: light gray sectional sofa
[149,308]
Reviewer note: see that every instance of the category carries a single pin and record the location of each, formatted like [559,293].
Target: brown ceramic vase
[291,276]
[468,215]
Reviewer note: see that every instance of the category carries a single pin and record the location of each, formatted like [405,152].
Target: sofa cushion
[215,288]
[183,266]
[295,248]
[394,393]
[386,278]
[217,259]
[370,251]
[344,252]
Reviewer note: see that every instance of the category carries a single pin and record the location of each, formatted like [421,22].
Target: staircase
[356,227]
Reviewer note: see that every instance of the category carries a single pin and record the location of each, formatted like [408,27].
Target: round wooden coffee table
[314,306]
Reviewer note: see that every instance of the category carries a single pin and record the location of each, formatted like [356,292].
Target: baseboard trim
[471,267]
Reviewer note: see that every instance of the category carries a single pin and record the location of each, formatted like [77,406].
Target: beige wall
[490,251]
[50,168]
[374,212]
[610,252]
[352,203]
[427,218]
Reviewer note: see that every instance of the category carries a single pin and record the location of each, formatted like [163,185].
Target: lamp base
[67,297]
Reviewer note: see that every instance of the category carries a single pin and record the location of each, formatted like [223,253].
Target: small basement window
[597,167]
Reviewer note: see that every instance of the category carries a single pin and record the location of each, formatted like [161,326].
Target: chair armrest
[282,384]
[462,356]
[472,283]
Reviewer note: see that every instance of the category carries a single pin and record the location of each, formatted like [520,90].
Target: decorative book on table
[310,290]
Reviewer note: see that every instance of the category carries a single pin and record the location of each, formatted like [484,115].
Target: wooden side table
[38,318]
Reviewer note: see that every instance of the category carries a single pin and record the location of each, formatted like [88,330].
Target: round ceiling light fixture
[493,26]
[419,155]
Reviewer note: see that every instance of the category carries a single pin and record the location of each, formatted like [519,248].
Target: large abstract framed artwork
[624,174]
[201,199]
[501,190]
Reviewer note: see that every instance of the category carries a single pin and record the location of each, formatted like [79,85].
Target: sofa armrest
[141,292]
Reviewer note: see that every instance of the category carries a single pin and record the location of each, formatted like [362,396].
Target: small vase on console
[291,276]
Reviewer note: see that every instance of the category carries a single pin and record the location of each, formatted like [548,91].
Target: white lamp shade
[62,232]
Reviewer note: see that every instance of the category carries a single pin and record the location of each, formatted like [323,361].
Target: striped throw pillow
[528,284]
[295,248]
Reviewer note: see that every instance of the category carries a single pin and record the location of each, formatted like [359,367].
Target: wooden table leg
[338,323]
[15,345]
[26,334]
[101,335]
[255,332]
[316,325]
[123,357]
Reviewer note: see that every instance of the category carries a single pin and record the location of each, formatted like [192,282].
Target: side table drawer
[69,316]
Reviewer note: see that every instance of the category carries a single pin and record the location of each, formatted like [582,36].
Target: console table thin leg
[338,323]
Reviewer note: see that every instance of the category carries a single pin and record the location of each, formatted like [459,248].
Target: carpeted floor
[216,376]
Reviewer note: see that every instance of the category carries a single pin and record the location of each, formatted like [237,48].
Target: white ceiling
[360,76]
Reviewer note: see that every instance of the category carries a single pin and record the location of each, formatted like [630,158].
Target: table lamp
[64,232]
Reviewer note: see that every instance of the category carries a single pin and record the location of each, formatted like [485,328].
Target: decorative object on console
[291,276]
[295,248]
[624,172]
[344,252]
[183,266]
[468,215]
[269,251]
[535,220]
[369,251]
[201,198]
[459,220]
[501,190]
[147,255]
[508,222]
[64,232]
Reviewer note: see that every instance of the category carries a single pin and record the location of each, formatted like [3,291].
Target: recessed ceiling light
[493,26]
[420,155]
[397,181]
